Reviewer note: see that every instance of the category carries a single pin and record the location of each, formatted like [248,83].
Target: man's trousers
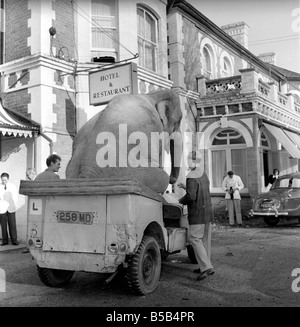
[200,239]
[9,218]
[234,206]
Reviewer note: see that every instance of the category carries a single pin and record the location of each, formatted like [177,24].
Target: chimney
[238,31]
[268,57]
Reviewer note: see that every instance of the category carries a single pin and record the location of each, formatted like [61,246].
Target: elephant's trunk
[176,155]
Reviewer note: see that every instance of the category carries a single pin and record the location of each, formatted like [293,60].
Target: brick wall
[18,101]
[192,56]
[64,24]
[16,29]
[219,204]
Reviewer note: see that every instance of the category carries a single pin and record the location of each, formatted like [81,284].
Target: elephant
[122,140]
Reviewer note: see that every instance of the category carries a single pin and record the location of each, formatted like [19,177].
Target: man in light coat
[232,185]
[9,195]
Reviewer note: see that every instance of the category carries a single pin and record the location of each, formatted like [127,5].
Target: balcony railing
[264,88]
[247,93]
[282,99]
[223,85]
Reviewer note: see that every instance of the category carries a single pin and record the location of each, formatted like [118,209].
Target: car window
[287,183]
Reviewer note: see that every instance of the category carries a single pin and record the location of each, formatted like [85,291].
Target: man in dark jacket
[200,213]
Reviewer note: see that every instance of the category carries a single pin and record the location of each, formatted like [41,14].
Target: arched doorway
[228,151]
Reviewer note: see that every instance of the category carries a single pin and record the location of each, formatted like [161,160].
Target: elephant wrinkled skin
[107,144]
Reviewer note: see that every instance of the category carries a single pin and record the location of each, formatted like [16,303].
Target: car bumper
[274,213]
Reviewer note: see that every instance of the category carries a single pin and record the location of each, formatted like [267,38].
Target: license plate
[266,205]
[75,217]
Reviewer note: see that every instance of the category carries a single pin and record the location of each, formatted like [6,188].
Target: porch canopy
[294,137]
[16,125]
[289,140]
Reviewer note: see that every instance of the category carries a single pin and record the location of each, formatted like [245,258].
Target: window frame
[207,73]
[228,72]
[228,161]
[105,51]
[144,41]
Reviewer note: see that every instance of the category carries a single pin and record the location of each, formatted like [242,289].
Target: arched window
[264,142]
[226,68]
[228,152]
[207,62]
[147,38]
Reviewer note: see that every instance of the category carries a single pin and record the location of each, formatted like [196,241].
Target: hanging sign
[107,83]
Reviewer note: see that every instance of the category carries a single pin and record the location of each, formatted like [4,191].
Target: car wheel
[271,221]
[191,254]
[144,267]
[54,277]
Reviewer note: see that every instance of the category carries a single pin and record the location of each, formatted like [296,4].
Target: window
[226,69]
[264,141]
[147,39]
[104,28]
[228,152]
[207,70]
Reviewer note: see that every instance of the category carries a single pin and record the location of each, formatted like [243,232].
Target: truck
[103,226]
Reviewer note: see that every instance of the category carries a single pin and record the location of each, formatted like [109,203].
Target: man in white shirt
[232,185]
[8,194]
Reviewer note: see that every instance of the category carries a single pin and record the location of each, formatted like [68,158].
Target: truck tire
[54,277]
[271,221]
[191,254]
[144,267]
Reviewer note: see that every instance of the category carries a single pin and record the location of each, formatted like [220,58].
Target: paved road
[253,268]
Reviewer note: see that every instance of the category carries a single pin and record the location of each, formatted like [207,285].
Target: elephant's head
[168,107]
[141,114]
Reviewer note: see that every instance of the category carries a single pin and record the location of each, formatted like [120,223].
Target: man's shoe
[15,243]
[197,271]
[205,273]
[4,243]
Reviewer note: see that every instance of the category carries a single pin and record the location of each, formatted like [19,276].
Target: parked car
[281,201]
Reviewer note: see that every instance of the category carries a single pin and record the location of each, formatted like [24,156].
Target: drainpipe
[35,135]
[49,140]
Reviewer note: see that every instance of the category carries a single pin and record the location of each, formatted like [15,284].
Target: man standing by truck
[200,213]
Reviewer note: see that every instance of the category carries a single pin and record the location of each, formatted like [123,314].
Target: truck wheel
[271,221]
[191,254]
[144,267]
[54,277]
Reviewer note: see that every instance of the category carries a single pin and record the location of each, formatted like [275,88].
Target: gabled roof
[13,123]
[187,8]
[289,75]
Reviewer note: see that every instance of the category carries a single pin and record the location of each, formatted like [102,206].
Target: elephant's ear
[164,112]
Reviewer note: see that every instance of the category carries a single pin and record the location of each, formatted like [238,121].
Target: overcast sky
[274,25]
